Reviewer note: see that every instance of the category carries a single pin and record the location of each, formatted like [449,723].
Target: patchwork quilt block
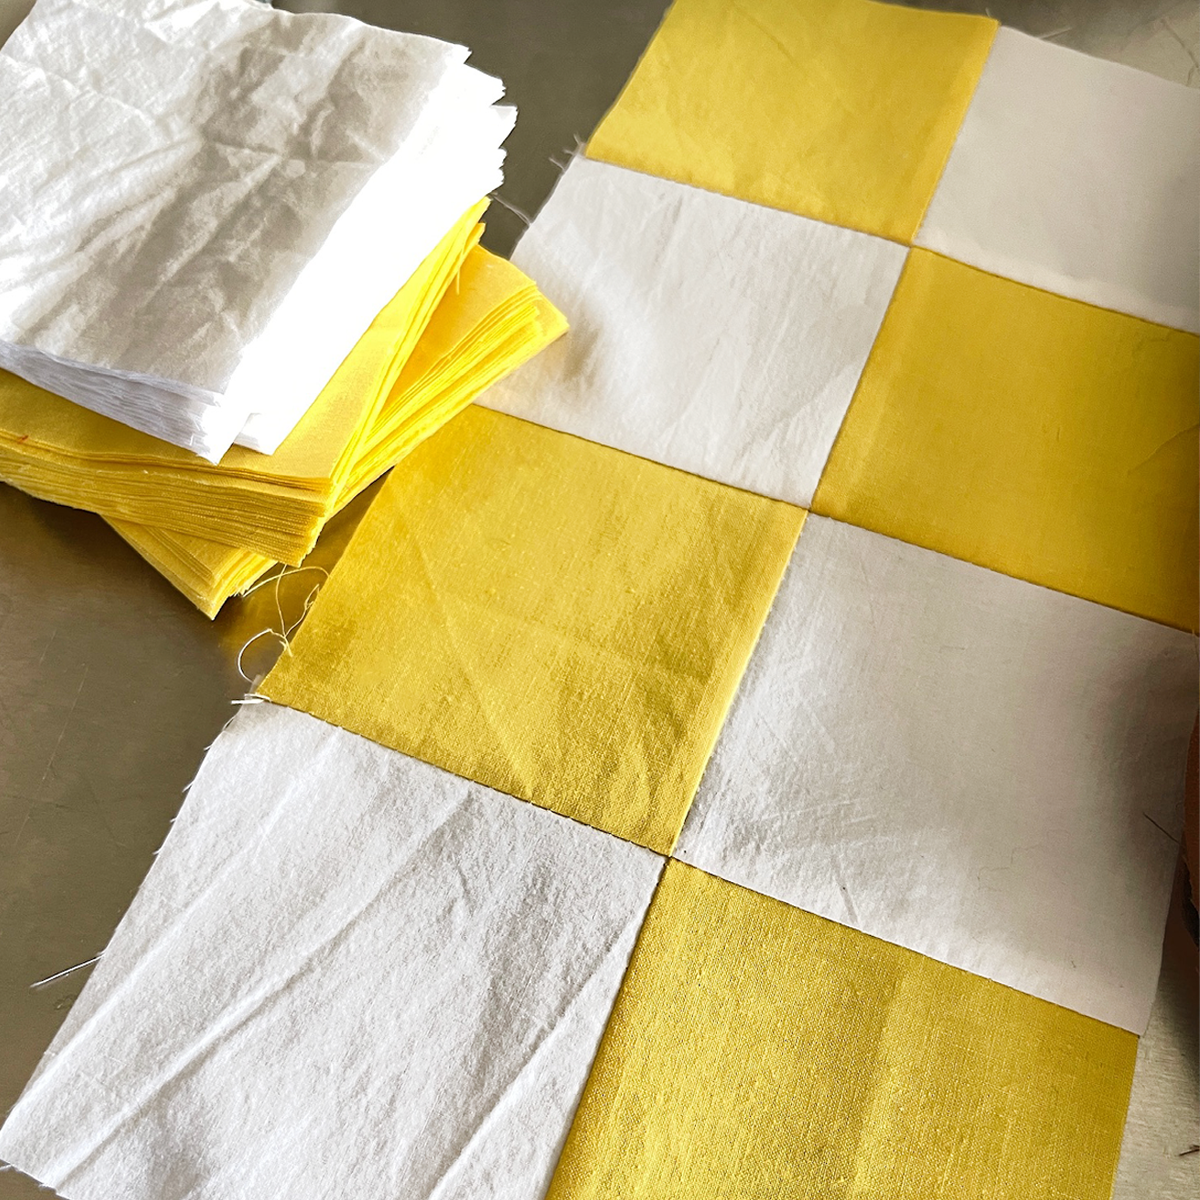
[914,761]
[714,335]
[961,763]
[842,110]
[1079,176]
[396,981]
[1030,433]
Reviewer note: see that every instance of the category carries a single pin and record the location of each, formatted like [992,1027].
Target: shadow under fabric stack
[758,735]
[232,400]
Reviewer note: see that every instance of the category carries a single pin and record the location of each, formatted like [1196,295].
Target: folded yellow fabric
[844,110]
[756,1050]
[1032,434]
[547,616]
[274,505]
[488,323]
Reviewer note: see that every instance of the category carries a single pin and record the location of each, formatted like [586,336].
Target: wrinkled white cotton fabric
[982,770]
[205,202]
[452,161]
[707,333]
[348,973]
[1078,176]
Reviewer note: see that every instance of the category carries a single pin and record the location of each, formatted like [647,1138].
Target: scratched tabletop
[112,686]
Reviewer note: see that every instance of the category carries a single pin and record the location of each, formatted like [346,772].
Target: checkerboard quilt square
[348,973]
[556,619]
[842,110]
[1033,434]
[979,769]
[714,335]
[1079,176]
[759,1051]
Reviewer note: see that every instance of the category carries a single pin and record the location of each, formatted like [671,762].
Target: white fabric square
[979,769]
[206,202]
[1078,176]
[348,973]
[707,333]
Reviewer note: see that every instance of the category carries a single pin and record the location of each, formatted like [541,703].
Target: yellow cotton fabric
[1028,433]
[490,321]
[547,616]
[842,110]
[273,504]
[759,1051]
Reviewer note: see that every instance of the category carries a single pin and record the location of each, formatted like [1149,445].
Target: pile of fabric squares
[231,274]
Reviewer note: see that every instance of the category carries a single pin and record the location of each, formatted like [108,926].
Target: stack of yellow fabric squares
[757,748]
[462,321]
[197,276]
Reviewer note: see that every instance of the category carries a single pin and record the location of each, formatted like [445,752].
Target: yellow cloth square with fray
[552,618]
[759,1051]
[843,110]
[1035,435]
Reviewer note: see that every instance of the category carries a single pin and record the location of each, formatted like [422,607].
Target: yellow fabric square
[756,1050]
[547,616]
[1032,434]
[843,110]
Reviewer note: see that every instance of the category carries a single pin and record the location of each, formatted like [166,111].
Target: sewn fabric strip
[842,110]
[759,1051]
[982,770]
[553,618]
[1029,433]
[710,334]
[347,973]
[1079,176]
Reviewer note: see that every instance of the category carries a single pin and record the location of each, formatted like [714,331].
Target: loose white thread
[284,633]
[64,974]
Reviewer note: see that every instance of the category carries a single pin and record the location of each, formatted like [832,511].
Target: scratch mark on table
[53,753]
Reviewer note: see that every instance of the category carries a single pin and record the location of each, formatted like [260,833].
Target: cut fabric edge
[899,944]
[280,519]
[1096,293]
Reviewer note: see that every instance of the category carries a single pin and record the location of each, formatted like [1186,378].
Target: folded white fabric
[348,973]
[1078,176]
[979,769]
[452,161]
[205,202]
[707,333]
